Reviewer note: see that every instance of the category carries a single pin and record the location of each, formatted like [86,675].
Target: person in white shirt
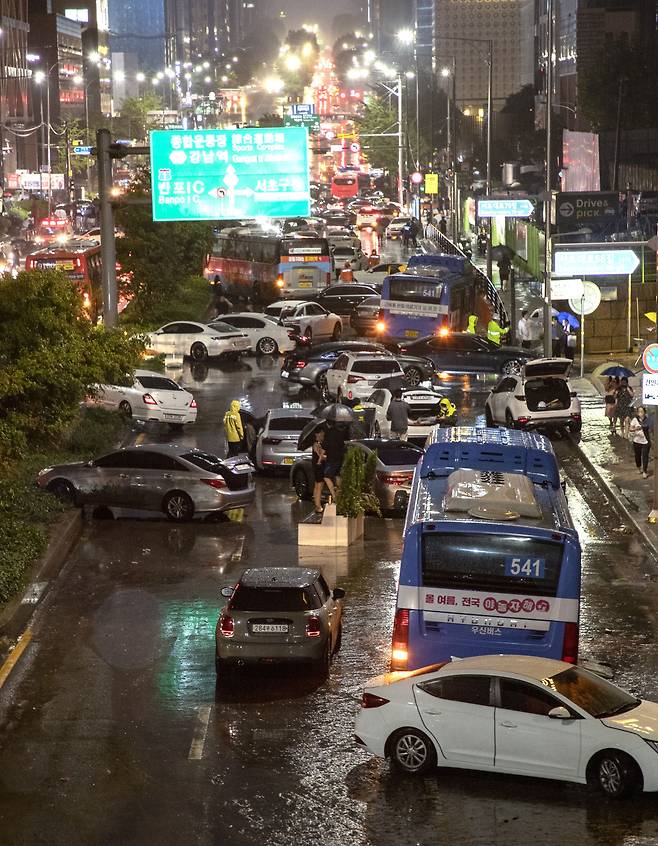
[523,330]
[640,438]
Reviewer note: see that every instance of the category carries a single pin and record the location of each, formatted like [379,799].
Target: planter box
[331,531]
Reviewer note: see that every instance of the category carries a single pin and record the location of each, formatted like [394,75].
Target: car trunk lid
[547,367]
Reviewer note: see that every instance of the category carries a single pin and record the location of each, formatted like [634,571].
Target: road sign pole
[629,313]
[582,335]
[108,246]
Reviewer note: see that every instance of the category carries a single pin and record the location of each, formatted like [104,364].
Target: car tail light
[443,332]
[575,416]
[300,365]
[369,700]
[570,646]
[352,380]
[522,420]
[380,326]
[272,441]
[400,650]
[147,399]
[280,281]
[313,627]
[395,478]
[193,404]
[226,626]
[218,484]
[520,397]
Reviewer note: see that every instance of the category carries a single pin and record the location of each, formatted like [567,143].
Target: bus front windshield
[415,290]
[504,564]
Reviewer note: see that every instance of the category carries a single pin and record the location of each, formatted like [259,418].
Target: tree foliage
[270,119]
[598,86]
[356,492]
[521,141]
[51,353]
[133,121]
[157,259]
[379,116]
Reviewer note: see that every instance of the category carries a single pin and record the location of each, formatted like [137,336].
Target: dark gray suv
[279,614]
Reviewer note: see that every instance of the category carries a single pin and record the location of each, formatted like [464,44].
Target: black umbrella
[336,412]
[355,430]
[393,383]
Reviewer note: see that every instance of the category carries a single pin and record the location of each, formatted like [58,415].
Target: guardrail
[445,245]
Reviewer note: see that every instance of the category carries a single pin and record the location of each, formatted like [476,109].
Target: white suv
[540,397]
[354,375]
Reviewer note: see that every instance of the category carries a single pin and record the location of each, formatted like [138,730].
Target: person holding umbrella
[334,447]
[624,412]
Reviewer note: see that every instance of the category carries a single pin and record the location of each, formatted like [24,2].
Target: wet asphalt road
[112,730]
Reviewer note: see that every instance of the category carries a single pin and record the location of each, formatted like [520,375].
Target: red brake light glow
[313,627]
[218,484]
[193,404]
[226,626]
[369,700]
[147,399]
[570,646]
[400,651]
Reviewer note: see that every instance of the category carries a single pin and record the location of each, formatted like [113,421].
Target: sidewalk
[610,458]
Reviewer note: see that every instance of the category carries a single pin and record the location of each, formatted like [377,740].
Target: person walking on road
[639,433]
[610,399]
[495,332]
[523,330]
[443,225]
[556,336]
[318,460]
[233,429]
[398,414]
[624,411]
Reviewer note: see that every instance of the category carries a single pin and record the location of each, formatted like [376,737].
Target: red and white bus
[80,260]
[344,186]
[260,266]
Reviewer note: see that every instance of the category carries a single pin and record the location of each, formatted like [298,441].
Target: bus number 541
[529,568]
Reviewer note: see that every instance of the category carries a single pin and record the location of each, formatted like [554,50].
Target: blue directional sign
[595,262]
[82,151]
[219,174]
[505,208]
[302,109]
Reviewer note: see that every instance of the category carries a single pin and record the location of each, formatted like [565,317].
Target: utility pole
[400,145]
[548,258]
[489,133]
[69,172]
[615,170]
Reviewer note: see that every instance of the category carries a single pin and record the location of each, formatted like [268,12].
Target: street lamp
[405,36]
[39,77]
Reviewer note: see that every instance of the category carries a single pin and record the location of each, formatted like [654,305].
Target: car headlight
[652,743]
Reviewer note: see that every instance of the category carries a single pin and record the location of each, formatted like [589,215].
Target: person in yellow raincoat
[495,331]
[472,323]
[233,428]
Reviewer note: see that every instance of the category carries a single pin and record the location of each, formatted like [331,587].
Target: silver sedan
[174,480]
[277,441]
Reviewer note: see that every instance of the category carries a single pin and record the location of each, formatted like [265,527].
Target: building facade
[137,27]
[14,80]
[202,29]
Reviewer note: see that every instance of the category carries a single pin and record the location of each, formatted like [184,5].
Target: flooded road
[112,729]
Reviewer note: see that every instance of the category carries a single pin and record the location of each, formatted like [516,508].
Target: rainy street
[112,730]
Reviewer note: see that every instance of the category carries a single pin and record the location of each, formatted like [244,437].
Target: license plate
[287,461]
[284,374]
[305,284]
[269,628]
[243,466]
[173,416]
[411,333]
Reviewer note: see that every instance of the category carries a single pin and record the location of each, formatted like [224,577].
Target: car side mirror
[560,713]
[338,593]
[227,592]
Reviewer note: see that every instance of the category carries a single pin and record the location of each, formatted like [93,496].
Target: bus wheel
[198,352]
[414,376]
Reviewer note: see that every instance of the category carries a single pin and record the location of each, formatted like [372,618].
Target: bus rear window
[305,247]
[414,290]
[501,564]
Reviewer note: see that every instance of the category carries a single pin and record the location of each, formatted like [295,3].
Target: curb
[640,528]
[17,614]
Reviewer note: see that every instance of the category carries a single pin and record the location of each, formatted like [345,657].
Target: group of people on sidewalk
[634,423]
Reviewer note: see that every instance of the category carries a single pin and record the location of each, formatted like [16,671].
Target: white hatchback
[513,714]
[354,375]
[540,397]
[198,340]
[266,335]
[151,396]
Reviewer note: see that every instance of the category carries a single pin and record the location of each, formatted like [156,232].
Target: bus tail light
[400,651]
[570,646]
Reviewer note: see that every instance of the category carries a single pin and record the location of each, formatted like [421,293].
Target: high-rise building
[201,29]
[138,27]
[13,85]
[457,23]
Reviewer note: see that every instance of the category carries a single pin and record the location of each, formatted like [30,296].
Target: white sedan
[151,396]
[266,335]
[198,340]
[513,714]
[310,319]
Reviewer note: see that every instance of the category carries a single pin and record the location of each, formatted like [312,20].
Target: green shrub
[356,494]
[189,301]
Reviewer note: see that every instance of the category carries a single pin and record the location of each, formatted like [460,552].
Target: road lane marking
[14,656]
[140,438]
[33,593]
[200,733]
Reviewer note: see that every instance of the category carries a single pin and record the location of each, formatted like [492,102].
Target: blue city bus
[491,559]
[436,292]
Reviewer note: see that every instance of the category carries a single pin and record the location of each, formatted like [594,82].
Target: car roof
[153,373]
[279,577]
[374,354]
[521,665]
[339,346]
[277,413]
[288,303]
[168,449]
[191,322]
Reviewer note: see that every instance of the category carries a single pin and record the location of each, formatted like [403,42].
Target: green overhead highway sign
[219,174]
[311,122]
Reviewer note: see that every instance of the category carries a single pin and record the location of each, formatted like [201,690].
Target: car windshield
[203,460]
[158,383]
[593,694]
[289,424]
[269,599]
